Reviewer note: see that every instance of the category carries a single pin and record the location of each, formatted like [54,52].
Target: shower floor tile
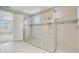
[19,47]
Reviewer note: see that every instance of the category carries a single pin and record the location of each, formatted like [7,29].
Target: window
[37,20]
[6,22]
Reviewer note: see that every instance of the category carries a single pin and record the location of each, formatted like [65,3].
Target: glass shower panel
[42,37]
[42,31]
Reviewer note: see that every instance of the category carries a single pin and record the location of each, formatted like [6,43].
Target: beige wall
[18,27]
[67,13]
[67,33]
[78,26]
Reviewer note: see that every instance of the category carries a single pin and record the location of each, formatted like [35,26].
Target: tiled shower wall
[67,32]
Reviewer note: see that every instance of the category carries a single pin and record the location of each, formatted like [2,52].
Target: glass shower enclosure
[40,31]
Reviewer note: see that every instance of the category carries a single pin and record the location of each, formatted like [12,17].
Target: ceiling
[30,10]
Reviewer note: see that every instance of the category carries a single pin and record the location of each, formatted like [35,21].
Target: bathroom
[39,29]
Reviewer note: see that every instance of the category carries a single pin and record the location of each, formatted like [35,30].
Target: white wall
[18,27]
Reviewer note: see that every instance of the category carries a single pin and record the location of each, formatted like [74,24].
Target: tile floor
[21,47]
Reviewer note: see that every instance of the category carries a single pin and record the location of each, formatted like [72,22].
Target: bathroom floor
[21,47]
